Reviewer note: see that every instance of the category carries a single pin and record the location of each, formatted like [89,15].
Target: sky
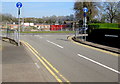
[39,9]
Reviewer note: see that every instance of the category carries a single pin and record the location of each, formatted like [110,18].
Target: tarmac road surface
[76,63]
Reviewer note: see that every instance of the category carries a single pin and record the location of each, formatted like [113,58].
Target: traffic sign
[19,5]
[85,9]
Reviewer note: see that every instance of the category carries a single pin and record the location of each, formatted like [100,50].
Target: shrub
[100,29]
[104,26]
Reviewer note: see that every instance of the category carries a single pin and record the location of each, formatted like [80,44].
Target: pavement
[76,63]
[19,66]
[0,60]
[108,48]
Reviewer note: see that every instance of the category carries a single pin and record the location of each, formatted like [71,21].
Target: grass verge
[48,32]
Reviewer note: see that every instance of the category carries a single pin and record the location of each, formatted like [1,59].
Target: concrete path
[19,66]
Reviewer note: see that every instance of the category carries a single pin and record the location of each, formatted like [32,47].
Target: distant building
[12,26]
[0,25]
[42,27]
[27,24]
[57,27]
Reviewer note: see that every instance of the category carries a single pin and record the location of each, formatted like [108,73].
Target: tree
[29,20]
[111,10]
[104,18]
[92,10]
[60,19]
[117,17]
[39,20]
[7,18]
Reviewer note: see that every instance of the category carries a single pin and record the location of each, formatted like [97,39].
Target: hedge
[98,30]
[104,26]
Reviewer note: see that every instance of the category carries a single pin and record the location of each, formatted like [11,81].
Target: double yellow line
[47,64]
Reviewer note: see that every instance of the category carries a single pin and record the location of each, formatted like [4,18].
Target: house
[57,27]
[27,24]
[42,27]
[12,26]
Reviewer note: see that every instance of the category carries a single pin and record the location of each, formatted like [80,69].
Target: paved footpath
[19,66]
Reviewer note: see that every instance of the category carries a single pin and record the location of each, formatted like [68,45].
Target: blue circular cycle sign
[85,9]
[19,5]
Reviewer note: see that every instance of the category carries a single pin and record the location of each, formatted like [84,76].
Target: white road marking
[54,44]
[37,35]
[111,35]
[40,37]
[48,35]
[37,65]
[99,63]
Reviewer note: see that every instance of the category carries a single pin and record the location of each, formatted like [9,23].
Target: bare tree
[111,10]
[92,9]
[7,18]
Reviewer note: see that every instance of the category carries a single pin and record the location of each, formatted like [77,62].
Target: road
[76,63]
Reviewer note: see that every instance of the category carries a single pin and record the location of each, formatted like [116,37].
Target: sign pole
[18,26]
[19,5]
[85,21]
[85,26]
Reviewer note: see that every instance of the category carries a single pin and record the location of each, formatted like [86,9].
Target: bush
[98,30]
[104,26]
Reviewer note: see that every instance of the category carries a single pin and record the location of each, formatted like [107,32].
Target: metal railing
[11,34]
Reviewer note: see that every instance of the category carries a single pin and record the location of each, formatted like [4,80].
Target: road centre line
[54,44]
[42,59]
[55,76]
[99,63]
[50,64]
[39,36]
[37,65]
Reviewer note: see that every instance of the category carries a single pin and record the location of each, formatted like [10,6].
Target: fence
[11,34]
